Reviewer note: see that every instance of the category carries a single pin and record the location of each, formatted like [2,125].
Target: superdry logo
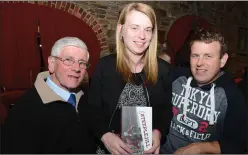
[187,121]
[199,103]
[191,133]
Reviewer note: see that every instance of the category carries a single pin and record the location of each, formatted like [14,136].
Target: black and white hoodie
[213,112]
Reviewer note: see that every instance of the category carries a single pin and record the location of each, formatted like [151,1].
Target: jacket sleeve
[233,138]
[99,118]
[163,111]
[19,134]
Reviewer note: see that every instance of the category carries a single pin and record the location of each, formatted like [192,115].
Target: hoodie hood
[212,100]
[46,93]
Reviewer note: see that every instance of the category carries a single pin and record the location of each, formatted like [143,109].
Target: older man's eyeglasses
[70,62]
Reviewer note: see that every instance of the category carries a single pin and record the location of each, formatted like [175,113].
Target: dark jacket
[106,87]
[243,85]
[222,104]
[41,122]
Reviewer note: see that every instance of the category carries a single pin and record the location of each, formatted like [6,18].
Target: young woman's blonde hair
[150,57]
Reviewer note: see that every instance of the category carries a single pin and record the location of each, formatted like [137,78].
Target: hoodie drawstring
[186,97]
[212,104]
[212,100]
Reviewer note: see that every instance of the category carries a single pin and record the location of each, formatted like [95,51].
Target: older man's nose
[76,66]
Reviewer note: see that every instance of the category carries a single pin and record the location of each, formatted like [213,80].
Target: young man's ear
[51,64]
[223,60]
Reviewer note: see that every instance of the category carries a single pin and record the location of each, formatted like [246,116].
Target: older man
[52,116]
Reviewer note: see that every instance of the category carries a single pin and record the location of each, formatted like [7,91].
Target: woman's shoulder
[107,58]
[163,66]
[107,61]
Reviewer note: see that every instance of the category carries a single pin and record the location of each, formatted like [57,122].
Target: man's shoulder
[30,97]
[27,107]
[232,92]
[177,72]
[227,83]
[30,94]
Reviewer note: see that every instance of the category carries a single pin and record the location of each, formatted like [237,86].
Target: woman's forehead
[138,18]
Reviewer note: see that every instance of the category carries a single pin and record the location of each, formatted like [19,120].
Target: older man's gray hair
[67,41]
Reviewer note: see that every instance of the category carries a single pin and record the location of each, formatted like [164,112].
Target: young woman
[134,76]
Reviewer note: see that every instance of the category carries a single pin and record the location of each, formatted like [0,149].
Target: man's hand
[200,148]
[114,144]
[156,136]
[189,149]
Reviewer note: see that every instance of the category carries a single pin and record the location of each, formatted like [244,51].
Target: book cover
[137,128]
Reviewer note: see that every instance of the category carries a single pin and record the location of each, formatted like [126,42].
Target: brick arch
[77,12]
[81,14]
[179,31]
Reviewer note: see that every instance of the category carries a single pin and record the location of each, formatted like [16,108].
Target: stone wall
[227,16]
[102,17]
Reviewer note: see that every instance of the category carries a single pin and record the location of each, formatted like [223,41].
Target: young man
[209,110]
[52,116]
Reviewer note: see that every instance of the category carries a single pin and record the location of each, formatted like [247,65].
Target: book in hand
[136,129]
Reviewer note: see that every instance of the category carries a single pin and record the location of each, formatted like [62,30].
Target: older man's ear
[51,64]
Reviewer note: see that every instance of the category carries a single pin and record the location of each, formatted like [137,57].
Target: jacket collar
[46,94]
[219,82]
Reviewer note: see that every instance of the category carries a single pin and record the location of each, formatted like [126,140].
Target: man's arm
[200,148]
[233,137]
[18,132]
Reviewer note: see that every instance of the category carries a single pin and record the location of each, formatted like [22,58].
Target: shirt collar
[59,91]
